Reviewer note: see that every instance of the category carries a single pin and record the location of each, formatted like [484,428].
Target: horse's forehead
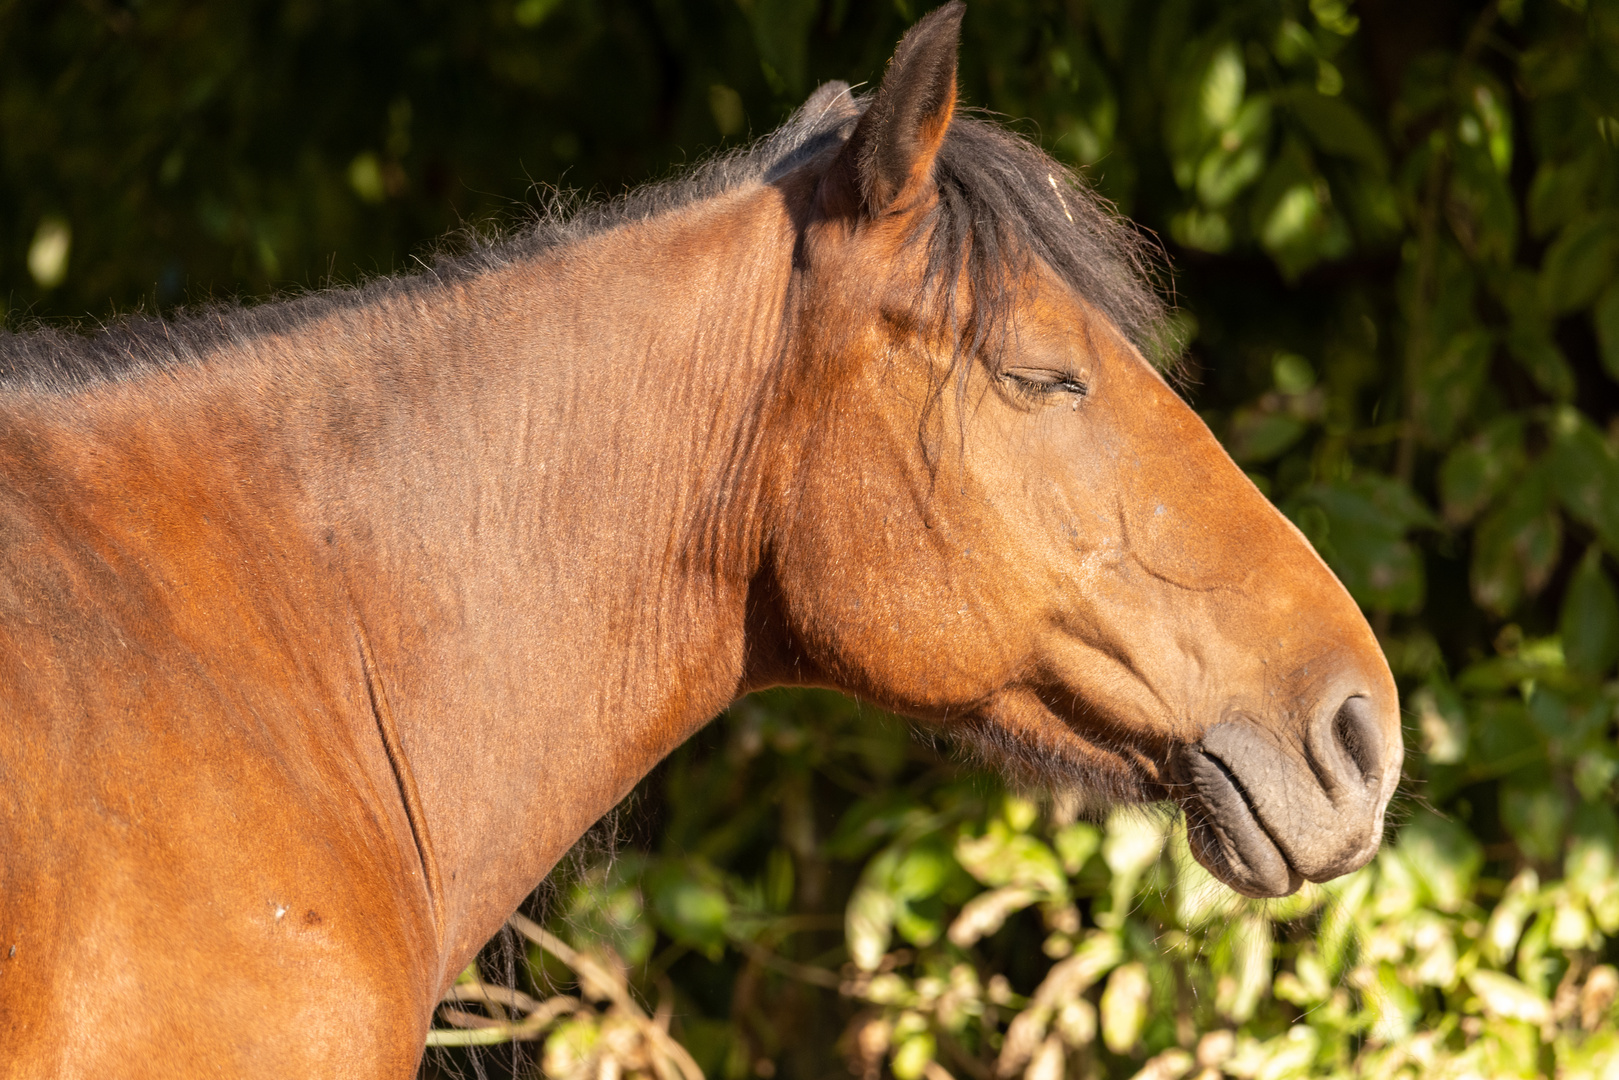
[1040,306]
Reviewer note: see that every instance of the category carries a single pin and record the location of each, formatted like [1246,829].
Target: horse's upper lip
[1226,836]
[1265,817]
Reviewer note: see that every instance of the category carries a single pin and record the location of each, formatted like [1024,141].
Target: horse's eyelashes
[1044,384]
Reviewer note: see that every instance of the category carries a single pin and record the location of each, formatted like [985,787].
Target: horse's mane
[1001,200]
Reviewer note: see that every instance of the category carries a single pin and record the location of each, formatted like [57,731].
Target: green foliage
[1395,232]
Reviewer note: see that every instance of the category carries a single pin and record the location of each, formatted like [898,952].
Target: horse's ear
[890,155]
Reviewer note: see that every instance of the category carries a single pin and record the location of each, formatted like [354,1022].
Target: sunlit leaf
[1124,1007]
[1591,866]
[1002,857]
[1506,921]
[1445,857]
[1507,998]
[913,1055]
[1220,95]
[1442,723]
[868,920]
[1133,841]
[986,913]
[690,905]
[1075,844]
[1238,990]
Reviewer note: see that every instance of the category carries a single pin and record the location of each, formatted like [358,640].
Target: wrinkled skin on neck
[1054,557]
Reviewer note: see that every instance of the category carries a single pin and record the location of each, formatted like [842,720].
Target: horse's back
[200,866]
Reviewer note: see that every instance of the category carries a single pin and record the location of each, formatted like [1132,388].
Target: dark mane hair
[1002,200]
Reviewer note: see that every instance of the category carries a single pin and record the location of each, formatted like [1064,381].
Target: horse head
[993,512]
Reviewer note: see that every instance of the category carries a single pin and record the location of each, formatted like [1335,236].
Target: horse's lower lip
[1225,834]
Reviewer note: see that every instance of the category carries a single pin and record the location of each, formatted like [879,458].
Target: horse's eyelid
[1068,384]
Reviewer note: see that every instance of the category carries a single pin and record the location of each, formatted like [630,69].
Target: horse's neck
[552,535]
[536,487]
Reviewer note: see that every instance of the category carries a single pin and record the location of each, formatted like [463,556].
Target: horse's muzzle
[1264,814]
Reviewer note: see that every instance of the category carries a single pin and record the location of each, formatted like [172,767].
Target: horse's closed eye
[1045,382]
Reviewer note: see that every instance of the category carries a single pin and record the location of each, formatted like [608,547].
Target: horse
[327,625]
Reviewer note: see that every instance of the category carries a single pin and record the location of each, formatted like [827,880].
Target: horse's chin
[1052,755]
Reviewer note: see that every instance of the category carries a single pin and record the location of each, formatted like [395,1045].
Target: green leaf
[1550,714]
[1505,927]
[1558,193]
[1595,770]
[1589,625]
[1584,472]
[1442,722]
[691,905]
[1482,211]
[868,920]
[923,870]
[1477,471]
[779,879]
[1002,857]
[605,905]
[1359,526]
[1444,856]
[781,31]
[1592,864]
[1446,385]
[1222,174]
[1505,998]
[1500,738]
[1516,546]
[869,822]
[1223,85]
[914,1055]
[1258,434]
[1075,845]
[1532,346]
[1336,127]
[1124,1006]
[1203,230]
[1535,811]
[1605,317]
[1578,263]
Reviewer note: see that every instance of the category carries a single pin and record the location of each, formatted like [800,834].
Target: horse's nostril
[1358,734]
